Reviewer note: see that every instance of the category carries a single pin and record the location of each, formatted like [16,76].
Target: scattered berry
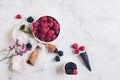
[75,46]
[82,48]
[76,51]
[75,72]
[28,46]
[60,53]
[30,19]
[57,58]
[18,16]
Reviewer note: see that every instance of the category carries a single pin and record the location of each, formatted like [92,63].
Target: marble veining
[93,23]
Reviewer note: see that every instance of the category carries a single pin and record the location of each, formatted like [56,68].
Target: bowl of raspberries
[46,29]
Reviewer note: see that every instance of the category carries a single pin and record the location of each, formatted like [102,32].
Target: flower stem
[7,57]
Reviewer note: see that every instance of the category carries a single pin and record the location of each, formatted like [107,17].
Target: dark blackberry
[73,66]
[60,53]
[30,19]
[28,45]
[69,71]
[57,58]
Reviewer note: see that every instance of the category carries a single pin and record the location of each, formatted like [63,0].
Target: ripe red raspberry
[44,30]
[50,19]
[42,39]
[48,39]
[42,35]
[36,35]
[54,22]
[57,31]
[76,51]
[35,24]
[50,32]
[53,37]
[44,25]
[75,46]
[50,24]
[82,48]
[18,16]
[44,18]
[75,72]
[56,27]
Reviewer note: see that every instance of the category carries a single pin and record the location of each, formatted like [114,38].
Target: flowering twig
[18,48]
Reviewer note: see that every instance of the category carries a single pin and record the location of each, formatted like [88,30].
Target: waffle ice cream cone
[33,56]
[50,47]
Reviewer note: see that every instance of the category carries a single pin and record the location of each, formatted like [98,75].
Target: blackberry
[60,53]
[73,66]
[69,71]
[57,58]
[30,19]
[28,45]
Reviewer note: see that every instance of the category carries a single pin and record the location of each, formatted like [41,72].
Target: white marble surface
[93,23]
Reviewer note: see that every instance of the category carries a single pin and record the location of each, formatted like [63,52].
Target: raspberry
[50,32]
[48,39]
[35,24]
[44,18]
[44,30]
[53,37]
[82,48]
[57,31]
[56,27]
[44,25]
[18,16]
[30,19]
[50,19]
[42,39]
[76,51]
[50,24]
[36,35]
[54,22]
[57,58]
[75,72]
[75,46]
[41,35]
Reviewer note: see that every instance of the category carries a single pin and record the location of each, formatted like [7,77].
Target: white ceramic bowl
[46,41]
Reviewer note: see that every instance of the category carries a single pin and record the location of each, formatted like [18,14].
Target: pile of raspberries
[46,28]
